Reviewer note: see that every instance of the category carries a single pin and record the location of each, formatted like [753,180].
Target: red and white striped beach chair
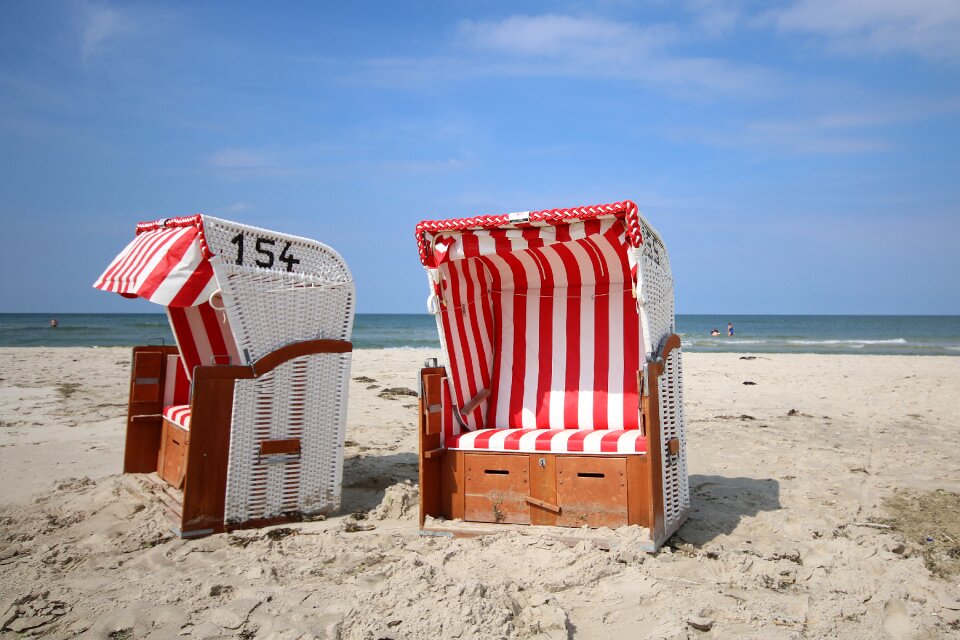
[244,418]
[561,399]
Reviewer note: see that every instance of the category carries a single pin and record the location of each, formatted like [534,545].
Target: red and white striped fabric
[176,389]
[168,262]
[612,441]
[203,335]
[178,414]
[542,316]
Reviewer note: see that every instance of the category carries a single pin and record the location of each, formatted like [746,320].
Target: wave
[851,342]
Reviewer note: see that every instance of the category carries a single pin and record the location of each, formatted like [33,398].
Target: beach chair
[561,399]
[241,423]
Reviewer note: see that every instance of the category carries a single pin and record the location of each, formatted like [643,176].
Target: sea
[895,335]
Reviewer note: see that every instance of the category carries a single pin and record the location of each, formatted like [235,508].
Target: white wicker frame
[656,308]
[304,398]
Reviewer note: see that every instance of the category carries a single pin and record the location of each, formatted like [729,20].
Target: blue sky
[798,157]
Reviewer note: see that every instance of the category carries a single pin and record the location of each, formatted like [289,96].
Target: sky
[800,156]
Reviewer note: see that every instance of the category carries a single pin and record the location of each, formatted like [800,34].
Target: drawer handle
[542,504]
[590,474]
[496,472]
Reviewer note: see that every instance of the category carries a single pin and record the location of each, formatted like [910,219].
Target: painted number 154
[265,250]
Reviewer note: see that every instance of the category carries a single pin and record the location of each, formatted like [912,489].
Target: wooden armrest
[272,360]
[655,369]
[673,342]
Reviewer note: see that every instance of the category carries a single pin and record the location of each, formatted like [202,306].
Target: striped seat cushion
[178,414]
[609,441]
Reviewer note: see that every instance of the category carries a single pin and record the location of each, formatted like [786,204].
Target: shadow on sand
[365,478]
[718,503]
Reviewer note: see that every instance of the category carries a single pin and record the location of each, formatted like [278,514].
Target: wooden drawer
[172,461]
[591,491]
[496,488]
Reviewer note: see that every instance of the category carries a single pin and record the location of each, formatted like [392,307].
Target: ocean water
[906,335]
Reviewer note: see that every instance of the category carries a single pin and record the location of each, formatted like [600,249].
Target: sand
[790,534]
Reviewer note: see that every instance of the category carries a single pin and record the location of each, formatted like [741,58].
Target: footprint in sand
[896,621]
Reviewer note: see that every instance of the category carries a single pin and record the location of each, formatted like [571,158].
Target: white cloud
[595,47]
[826,134]
[237,159]
[237,207]
[444,165]
[563,36]
[715,17]
[926,28]
[100,26]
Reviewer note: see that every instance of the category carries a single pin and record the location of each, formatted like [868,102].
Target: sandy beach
[824,505]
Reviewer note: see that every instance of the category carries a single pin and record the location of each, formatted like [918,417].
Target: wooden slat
[142,444]
[651,408]
[433,423]
[431,389]
[205,486]
[428,469]
[639,509]
[451,486]
[147,372]
[543,488]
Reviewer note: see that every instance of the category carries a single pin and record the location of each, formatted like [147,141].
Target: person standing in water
[729,329]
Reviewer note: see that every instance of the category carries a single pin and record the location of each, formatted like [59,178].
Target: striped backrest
[203,336]
[544,317]
[176,389]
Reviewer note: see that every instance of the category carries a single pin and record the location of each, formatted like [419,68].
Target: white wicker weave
[269,307]
[655,304]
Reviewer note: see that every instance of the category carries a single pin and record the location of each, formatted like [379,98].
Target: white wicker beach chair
[561,399]
[243,420]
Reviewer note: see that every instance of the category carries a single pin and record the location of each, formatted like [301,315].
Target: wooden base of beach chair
[546,489]
[192,465]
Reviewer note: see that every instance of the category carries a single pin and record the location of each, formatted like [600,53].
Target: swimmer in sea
[729,329]
[715,332]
